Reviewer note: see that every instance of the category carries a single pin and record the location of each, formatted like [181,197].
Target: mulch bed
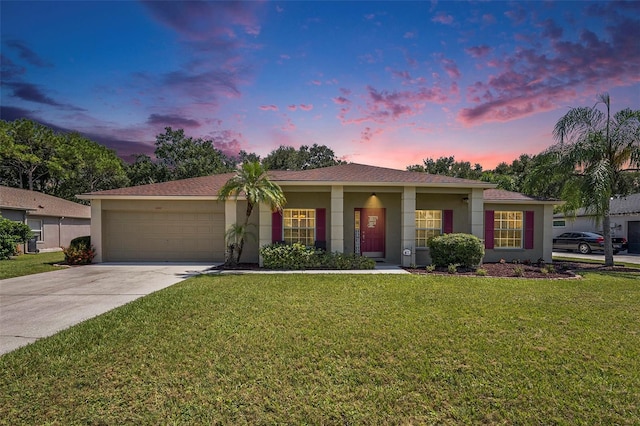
[563,269]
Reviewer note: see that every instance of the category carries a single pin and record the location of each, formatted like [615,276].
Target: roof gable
[39,204]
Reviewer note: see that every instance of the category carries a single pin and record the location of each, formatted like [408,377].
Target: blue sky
[382,83]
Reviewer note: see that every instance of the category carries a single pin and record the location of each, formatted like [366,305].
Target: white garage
[162,231]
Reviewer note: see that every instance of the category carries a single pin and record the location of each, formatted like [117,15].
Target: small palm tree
[252,181]
[597,149]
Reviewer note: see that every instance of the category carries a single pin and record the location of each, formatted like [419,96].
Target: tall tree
[304,158]
[448,166]
[186,157]
[251,180]
[25,150]
[597,149]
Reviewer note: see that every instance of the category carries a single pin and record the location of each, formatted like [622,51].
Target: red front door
[370,232]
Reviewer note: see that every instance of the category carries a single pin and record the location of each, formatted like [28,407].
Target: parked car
[620,243]
[585,242]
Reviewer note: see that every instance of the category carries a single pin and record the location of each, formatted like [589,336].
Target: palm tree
[597,149]
[251,179]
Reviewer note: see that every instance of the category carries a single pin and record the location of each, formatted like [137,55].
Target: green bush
[79,252]
[298,256]
[463,249]
[11,234]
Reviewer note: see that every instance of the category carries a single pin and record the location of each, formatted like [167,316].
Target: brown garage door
[163,236]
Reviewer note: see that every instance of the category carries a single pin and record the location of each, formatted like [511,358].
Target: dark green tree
[186,157]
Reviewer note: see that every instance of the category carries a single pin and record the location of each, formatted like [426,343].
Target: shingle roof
[502,195]
[39,204]
[625,205]
[344,173]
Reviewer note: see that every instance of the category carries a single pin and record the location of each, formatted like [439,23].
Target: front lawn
[343,349]
[27,264]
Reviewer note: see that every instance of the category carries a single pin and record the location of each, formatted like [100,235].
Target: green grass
[27,264]
[343,349]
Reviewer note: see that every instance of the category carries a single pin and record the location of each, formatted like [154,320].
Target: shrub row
[298,256]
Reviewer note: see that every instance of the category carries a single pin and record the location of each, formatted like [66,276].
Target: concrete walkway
[40,305]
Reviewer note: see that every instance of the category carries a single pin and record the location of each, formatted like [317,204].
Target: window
[36,228]
[299,226]
[428,225]
[559,223]
[507,229]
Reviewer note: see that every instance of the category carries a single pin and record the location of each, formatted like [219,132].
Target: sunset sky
[381,83]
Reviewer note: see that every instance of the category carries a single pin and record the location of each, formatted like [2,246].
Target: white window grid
[508,229]
[299,226]
[428,225]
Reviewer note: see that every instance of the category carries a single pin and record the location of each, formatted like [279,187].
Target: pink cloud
[268,107]
[306,107]
[531,80]
[442,18]
[410,34]
[292,107]
[316,82]
[451,68]
[488,19]
[478,51]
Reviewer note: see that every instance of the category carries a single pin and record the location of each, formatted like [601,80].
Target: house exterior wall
[540,246]
[434,201]
[56,232]
[619,225]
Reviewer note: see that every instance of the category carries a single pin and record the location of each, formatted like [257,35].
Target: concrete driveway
[40,305]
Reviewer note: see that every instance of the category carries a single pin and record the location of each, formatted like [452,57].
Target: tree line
[35,157]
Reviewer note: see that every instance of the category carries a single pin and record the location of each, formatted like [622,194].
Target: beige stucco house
[54,221]
[353,208]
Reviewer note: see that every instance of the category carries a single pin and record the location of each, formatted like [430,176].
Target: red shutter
[488,229]
[276,227]
[528,230]
[321,224]
[448,222]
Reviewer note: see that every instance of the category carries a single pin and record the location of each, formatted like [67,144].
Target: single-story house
[625,221]
[54,221]
[351,208]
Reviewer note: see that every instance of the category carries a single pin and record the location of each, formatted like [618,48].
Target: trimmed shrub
[297,256]
[79,252]
[11,234]
[465,250]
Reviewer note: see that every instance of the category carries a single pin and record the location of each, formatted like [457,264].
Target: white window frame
[37,231]
[299,226]
[426,223]
[508,227]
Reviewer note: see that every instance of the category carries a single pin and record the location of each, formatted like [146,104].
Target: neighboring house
[352,208]
[625,221]
[54,221]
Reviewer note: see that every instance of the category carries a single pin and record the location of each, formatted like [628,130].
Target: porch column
[96,229]
[408,225]
[264,228]
[337,218]
[230,215]
[476,212]
[547,233]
